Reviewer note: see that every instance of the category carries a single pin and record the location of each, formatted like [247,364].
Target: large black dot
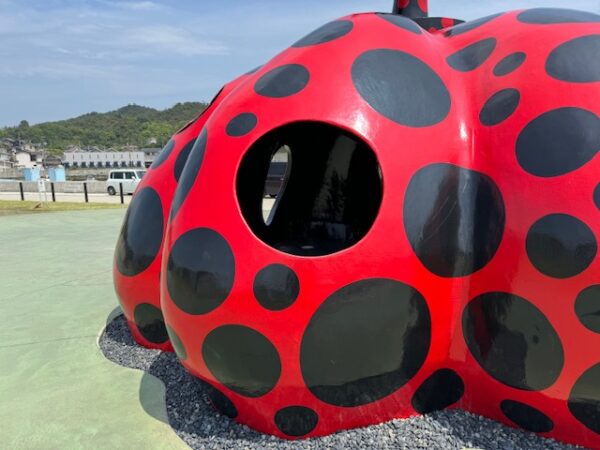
[401,87]
[527,417]
[509,64]
[242,359]
[365,341]
[576,61]
[500,106]
[177,344]
[141,235]
[471,25]
[402,22]
[221,402]
[597,196]
[241,124]
[190,172]
[282,81]
[561,246]
[587,308]
[200,271]
[328,32]
[440,390]
[164,154]
[472,56]
[546,16]
[584,400]
[559,141]
[513,341]
[150,323]
[454,219]
[276,287]
[182,158]
[296,420]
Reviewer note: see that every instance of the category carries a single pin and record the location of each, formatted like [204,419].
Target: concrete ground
[66,197]
[57,390]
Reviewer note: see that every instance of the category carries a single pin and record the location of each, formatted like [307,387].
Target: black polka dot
[561,246]
[513,341]
[141,235]
[597,196]
[190,172]
[546,16]
[182,158]
[584,400]
[200,271]
[527,417]
[365,341]
[453,218]
[276,287]
[587,308]
[401,87]
[164,154]
[326,33]
[177,344]
[402,22]
[242,359]
[241,124]
[150,323]
[576,61]
[558,142]
[439,391]
[296,420]
[499,107]
[221,402]
[471,25]
[473,56]
[283,81]
[509,64]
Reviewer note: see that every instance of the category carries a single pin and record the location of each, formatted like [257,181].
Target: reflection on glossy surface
[584,400]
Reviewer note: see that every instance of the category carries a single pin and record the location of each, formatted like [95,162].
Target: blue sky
[62,58]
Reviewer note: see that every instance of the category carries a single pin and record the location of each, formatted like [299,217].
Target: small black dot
[527,417]
[559,141]
[401,87]
[440,390]
[473,56]
[500,107]
[242,359]
[177,344]
[402,22]
[587,308]
[221,402]
[276,287]
[141,235]
[597,196]
[283,81]
[150,323]
[471,25]
[200,271]
[584,400]
[509,64]
[576,61]
[296,420]
[182,158]
[190,172]
[547,16]
[164,154]
[328,32]
[513,341]
[561,246]
[365,341]
[241,124]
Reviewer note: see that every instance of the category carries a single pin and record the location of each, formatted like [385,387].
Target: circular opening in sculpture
[325,183]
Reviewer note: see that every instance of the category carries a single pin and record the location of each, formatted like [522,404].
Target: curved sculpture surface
[433,242]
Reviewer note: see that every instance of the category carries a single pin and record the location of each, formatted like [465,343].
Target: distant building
[150,155]
[21,154]
[6,161]
[94,158]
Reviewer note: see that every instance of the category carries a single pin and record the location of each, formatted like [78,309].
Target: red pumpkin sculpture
[433,244]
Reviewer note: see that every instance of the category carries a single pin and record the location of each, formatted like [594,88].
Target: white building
[96,159]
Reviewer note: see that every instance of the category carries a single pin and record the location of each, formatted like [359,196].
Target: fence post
[121,192]
[21,190]
[85,191]
[52,190]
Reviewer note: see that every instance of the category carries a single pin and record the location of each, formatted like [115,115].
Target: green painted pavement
[57,391]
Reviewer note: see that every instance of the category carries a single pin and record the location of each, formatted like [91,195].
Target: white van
[129,177]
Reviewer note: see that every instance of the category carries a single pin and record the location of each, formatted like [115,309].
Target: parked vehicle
[129,177]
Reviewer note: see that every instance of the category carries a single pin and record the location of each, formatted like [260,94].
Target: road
[65,197]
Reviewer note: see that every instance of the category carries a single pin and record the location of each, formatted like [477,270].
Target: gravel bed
[195,421]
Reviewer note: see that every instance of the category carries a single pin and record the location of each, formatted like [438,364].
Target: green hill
[132,124]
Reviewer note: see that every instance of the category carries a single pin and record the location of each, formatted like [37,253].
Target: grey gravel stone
[194,420]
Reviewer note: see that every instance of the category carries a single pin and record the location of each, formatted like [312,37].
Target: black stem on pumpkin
[412,9]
